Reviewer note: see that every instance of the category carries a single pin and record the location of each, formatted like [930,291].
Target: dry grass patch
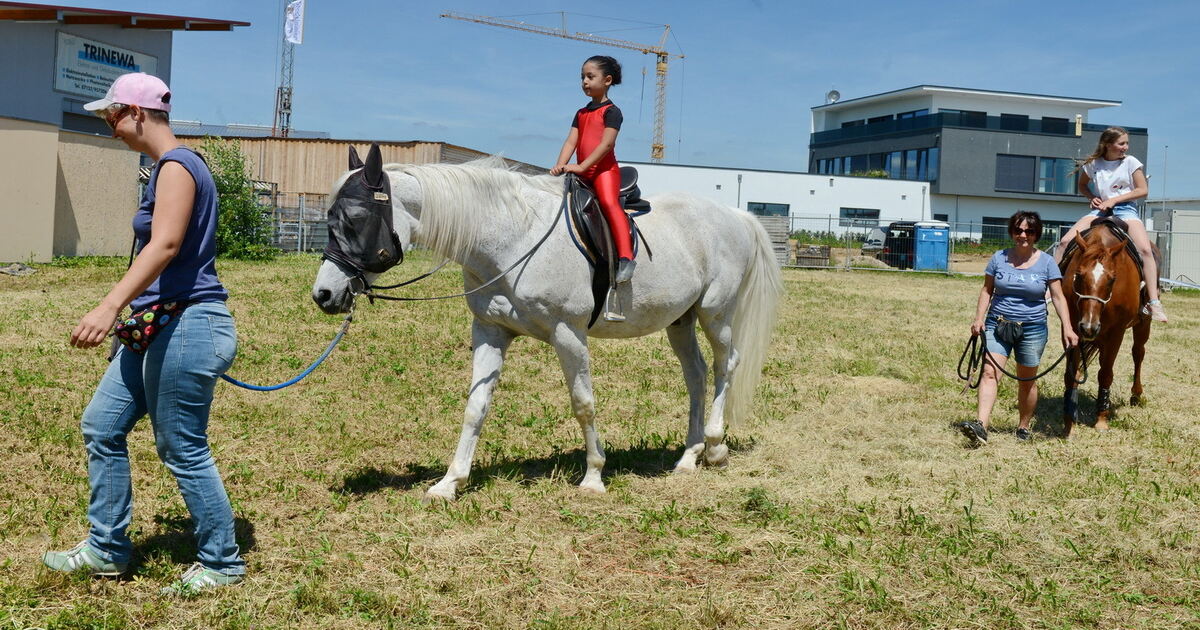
[849,502]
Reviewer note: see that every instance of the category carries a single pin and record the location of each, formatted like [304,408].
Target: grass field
[848,502]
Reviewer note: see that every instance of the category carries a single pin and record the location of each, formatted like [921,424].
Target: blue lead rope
[306,372]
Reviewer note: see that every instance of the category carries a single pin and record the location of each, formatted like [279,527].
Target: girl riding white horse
[712,266]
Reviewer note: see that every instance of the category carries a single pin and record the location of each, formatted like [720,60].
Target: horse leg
[720,336]
[1141,333]
[682,335]
[1108,356]
[571,346]
[489,343]
[1071,392]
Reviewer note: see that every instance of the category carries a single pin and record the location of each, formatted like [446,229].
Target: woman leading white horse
[712,266]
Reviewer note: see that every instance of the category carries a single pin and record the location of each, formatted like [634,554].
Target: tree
[243,231]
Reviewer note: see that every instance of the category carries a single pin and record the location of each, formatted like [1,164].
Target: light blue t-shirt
[1020,294]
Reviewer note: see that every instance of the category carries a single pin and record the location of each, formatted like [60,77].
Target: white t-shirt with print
[1112,178]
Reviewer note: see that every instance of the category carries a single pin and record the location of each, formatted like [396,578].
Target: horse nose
[1089,330]
[322,297]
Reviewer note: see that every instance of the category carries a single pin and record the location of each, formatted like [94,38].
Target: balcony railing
[960,120]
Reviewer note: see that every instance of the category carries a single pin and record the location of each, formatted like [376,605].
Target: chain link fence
[298,222]
[831,242]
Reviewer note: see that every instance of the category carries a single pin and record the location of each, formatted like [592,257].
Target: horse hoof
[588,488]
[1135,401]
[1101,427]
[683,468]
[686,463]
[717,456]
[433,496]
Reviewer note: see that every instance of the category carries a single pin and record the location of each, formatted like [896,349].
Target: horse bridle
[358,284]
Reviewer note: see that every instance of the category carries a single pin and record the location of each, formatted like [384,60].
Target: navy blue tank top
[192,275]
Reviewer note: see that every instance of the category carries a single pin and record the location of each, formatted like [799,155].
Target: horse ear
[355,161]
[373,169]
[1079,242]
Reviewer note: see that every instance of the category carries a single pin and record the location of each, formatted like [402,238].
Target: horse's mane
[456,199]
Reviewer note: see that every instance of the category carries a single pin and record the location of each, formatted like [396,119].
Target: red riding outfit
[605,175]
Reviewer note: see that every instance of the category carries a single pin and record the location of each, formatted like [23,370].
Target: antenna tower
[659,51]
[283,94]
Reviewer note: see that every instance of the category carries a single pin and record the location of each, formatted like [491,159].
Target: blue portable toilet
[932,246]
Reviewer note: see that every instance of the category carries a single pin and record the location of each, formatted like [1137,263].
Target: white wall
[807,195]
[964,210]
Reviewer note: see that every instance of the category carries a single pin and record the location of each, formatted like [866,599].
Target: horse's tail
[753,319]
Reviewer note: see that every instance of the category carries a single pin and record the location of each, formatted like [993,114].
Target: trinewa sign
[87,67]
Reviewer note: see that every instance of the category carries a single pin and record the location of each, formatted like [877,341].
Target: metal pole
[739,194]
[1164,186]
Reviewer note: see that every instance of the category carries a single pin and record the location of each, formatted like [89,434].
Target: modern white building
[968,157]
[984,153]
[838,200]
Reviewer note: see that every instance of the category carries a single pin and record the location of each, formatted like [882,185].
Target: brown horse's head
[1092,278]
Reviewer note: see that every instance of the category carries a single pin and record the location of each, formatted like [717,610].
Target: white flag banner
[293,26]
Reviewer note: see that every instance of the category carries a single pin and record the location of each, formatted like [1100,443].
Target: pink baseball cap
[135,88]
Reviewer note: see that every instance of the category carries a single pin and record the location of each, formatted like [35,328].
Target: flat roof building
[984,153]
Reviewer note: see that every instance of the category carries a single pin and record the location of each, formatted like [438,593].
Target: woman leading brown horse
[1102,282]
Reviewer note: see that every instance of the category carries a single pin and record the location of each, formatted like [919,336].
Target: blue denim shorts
[1122,211]
[1029,349]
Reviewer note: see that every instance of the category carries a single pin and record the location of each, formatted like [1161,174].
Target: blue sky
[393,70]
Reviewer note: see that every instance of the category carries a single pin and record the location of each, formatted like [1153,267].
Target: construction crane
[659,51]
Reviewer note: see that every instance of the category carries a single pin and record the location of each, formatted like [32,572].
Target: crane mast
[662,57]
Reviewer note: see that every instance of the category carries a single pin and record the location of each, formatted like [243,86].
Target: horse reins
[364,288]
[975,358]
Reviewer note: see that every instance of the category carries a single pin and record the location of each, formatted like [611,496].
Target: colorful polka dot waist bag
[140,328]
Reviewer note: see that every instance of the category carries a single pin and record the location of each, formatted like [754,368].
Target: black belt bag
[1007,331]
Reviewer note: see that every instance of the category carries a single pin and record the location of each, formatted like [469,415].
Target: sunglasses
[113,114]
[1029,231]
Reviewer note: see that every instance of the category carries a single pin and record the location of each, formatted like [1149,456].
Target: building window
[937,216]
[1055,125]
[853,123]
[858,217]
[1056,175]
[1014,122]
[912,114]
[1025,173]
[858,164]
[964,118]
[932,173]
[768,209]
[879,119]
[1015,172]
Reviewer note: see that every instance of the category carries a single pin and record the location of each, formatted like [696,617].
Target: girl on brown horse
[1112,180]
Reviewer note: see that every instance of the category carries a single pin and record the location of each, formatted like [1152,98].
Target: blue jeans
[173,382]
[1123,211]
[1029,349]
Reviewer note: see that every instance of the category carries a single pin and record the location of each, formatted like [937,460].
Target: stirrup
[613,310]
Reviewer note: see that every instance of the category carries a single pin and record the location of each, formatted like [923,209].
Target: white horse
[713,265]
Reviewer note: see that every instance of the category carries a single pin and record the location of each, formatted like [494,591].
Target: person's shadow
[647,458]
[176,541]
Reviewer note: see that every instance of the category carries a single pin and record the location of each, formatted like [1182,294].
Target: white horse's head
[369,229]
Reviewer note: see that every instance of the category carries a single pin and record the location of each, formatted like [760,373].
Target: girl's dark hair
[609,66]
[1034,220]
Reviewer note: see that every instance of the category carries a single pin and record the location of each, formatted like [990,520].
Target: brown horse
[1102,283]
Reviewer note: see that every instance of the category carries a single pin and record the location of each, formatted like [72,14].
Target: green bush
[243,231]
